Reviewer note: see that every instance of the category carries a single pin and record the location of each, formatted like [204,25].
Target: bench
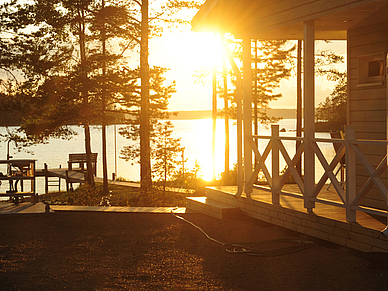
[80,159]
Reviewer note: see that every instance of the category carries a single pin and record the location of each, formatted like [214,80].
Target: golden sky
[186,51]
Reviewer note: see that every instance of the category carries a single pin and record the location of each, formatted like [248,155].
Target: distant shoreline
[199,114]
[205,114]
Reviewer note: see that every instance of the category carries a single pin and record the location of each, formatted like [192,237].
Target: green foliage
[274,59]
[123,196]
[334,109]
[86,195]
[325,62]
[193,179]
[231,178]
[165,150]
[188,179]
[71,60]
[274,63]
[56,50]
[159,96]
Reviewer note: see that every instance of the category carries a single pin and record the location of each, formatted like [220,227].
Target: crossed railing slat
[349,148]
[291,164]
[329,168]
[260,165]
[374,176]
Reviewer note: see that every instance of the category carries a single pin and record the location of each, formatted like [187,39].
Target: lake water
[196,137]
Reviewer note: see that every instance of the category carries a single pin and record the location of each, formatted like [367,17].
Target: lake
[195,134]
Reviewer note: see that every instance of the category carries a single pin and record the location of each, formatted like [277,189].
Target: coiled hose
[261,249]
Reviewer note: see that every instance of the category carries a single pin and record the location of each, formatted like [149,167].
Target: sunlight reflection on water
[197,138]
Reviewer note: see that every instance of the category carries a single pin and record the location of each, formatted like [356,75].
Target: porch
[332,210]
[354,213]
[326,222]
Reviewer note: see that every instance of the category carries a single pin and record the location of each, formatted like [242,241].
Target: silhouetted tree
[56,45]
[334,109]
[165,152]
[149,21]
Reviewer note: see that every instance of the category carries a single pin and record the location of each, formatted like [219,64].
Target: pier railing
[350,197]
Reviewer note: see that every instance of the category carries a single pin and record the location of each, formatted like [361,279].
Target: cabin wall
[368,101]
[264,19]
[280,13]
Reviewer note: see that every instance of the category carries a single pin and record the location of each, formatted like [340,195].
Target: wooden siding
[284,12]
[368,105]
[282,19]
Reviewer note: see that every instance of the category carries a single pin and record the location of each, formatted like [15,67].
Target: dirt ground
[136,251]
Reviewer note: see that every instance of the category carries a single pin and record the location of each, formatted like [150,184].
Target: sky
[185,52]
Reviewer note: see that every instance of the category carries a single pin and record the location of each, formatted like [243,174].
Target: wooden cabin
[367,109]
[364,24]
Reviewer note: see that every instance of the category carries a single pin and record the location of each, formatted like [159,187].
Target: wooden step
[214,194]
[210,207]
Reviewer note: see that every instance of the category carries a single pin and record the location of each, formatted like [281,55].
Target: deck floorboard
[321,209]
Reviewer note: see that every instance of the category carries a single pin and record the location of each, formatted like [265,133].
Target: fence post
[308,109]
[45,178]
[350,166]
[275,164]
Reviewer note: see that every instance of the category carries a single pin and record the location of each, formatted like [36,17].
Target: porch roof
[283,19]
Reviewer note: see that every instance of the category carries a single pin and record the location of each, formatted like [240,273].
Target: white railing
[349,198]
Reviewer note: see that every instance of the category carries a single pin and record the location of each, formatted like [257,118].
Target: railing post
[247,109]
[350,164]
[275,164]
[309,113]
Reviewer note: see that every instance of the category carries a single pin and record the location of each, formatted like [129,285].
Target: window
[375,68]
[371,70]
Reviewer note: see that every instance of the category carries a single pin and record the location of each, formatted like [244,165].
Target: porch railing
[349,197]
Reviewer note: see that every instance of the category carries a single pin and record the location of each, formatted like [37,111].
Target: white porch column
[247,113]
[309,111]
[350,162]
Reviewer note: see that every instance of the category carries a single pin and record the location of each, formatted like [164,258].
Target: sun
[187,49]
[205,50]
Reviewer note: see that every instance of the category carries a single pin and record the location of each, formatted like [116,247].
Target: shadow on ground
[136,251]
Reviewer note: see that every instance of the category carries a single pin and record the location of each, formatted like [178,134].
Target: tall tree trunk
[103,105]
[214,118]
[145,159]
[89,176]
[226,106]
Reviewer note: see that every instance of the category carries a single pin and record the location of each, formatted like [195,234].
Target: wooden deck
[324,210]
[327,222]
[30,208]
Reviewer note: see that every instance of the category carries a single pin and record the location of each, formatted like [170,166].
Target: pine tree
[159,96]
[334,109]
[165,150]
[272,61]
[68,76]
[148,28]
[61,61]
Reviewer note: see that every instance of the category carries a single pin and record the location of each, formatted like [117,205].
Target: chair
[338,135]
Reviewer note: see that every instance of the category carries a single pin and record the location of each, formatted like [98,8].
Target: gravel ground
[136,251]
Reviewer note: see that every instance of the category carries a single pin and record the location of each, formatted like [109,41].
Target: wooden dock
[70,177]
[73,176]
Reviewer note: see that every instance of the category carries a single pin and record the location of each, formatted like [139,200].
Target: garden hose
[261,249]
